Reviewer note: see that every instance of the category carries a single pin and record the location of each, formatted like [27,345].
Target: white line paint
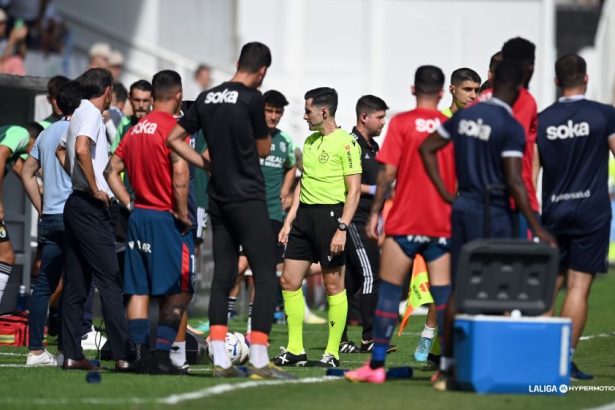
[13,354]
[173,399]
[228,387]
[589,337]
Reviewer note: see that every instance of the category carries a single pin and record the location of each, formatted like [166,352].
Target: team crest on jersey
[323,158]
[568,130]
[2,232]
[226,96]
[283,147]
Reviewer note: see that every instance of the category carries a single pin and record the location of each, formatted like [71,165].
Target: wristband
[372,189]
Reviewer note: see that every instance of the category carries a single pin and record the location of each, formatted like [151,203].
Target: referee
[317,224]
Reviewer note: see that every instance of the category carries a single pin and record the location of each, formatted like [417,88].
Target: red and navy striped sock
[385,320]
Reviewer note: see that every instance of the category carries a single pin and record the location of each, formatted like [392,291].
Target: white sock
[178,353]
[220,356]
[258,355]
[446,363]
[428,332]
[4,279]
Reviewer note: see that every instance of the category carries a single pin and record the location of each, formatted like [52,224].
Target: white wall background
[374,46]
[355,46]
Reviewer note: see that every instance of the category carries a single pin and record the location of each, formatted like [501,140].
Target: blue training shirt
[573,136]
[482,135]
[57,182]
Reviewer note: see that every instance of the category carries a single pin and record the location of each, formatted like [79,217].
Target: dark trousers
[90,253]
[51,239]
[362,264]
[247,224]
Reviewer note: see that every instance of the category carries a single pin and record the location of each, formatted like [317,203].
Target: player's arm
[535,166]
[83,158]
[18,166]
[428,150]
[62,157]
[384,181]
[30,184]
[113,172]
[177,142]
[181,181]
[353,185]
[286,197]
[5,154]
[290,216]
[512,174]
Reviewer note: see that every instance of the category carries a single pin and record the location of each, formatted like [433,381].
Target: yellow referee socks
[338,310]
[294,307]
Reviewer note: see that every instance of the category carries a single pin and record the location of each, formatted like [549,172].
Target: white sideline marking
[608,406]
[13,354]
[588,337]
[173,399]
[227,387]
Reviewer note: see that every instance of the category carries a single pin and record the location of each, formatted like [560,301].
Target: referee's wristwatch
[341,226]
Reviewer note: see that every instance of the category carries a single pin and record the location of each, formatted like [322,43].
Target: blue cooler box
[501,354]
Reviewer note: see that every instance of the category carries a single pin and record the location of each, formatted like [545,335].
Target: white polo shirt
[87,121]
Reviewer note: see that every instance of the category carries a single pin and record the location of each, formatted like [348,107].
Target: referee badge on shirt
[323,158]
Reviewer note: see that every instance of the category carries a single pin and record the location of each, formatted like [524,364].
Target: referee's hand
[338,243]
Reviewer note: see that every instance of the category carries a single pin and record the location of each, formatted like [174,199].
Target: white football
[233,346]
[245,348]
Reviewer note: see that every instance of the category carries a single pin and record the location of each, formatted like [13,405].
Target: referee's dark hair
[323,96]
[369,104]
[94,82]
[142,85]
[464,74]
[570,71]
[69,97]
[166,84]
[253,57]
[508,76]
[519,49]
[275,99]
[428,80]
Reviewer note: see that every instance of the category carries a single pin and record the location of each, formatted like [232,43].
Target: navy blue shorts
[428,247]
[584,253]
[159,260]
[468,224]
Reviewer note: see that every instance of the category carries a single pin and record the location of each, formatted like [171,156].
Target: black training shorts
[311,234]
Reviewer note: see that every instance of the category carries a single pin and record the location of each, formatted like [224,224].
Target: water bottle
[21,300]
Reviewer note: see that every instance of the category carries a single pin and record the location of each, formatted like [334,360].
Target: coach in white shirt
[90,248]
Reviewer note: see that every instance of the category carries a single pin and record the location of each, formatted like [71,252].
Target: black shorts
[584,253]
[4,233]
[311,234]
[276,227]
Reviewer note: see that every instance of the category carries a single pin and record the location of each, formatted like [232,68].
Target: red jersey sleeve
[392,148]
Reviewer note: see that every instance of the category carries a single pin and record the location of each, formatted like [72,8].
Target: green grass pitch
[52,388]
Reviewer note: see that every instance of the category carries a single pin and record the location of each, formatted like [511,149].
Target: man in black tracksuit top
[363,253]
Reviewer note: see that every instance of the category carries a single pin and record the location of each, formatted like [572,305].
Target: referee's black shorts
[311,234]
